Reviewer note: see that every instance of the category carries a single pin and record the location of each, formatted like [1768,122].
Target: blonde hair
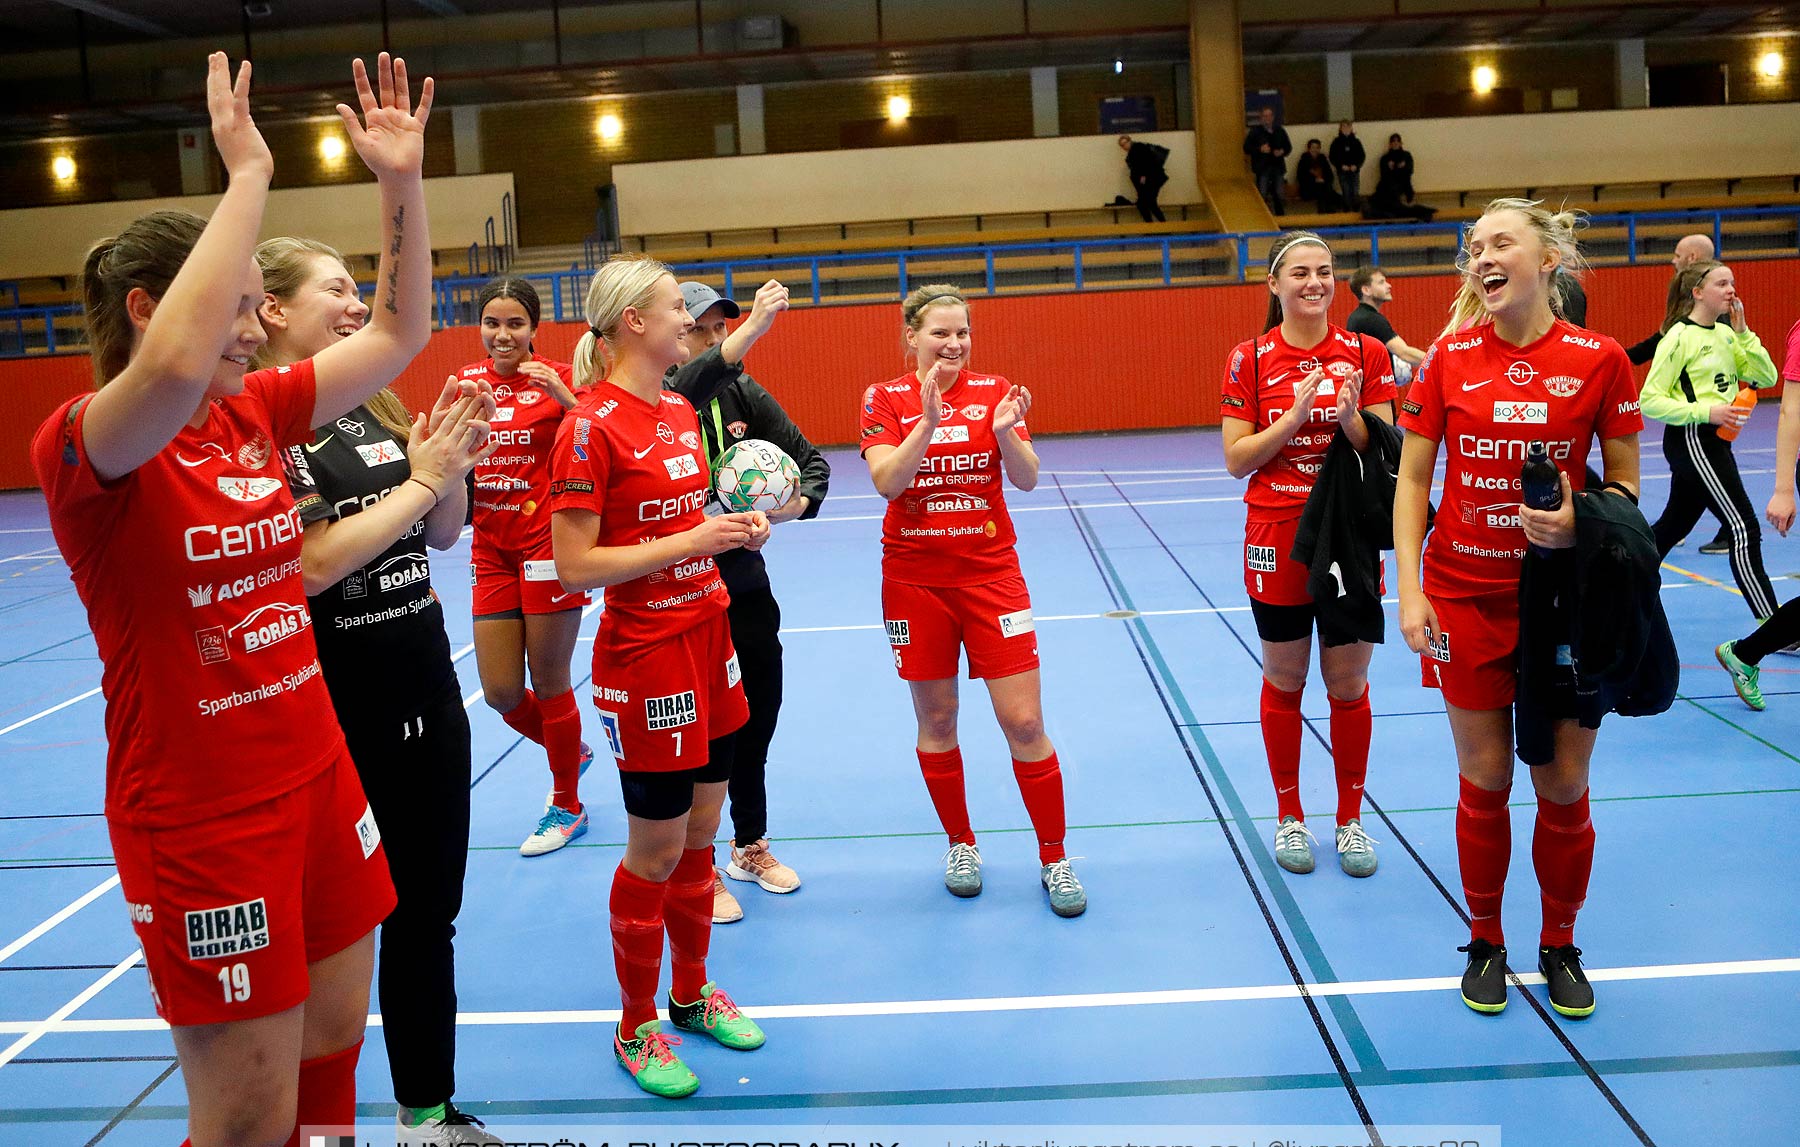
[1681,299]
[148,255]
[1284,243]
[287,263]
[623,283]
[1555,230]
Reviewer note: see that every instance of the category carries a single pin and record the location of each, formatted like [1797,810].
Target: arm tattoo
[393,283]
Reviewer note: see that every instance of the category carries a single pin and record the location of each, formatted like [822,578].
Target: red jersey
[950,527]
[639,467]
[513,482]
[1259,386]
[189,567]
[1485,400]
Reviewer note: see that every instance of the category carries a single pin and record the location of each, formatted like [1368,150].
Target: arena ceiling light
[331,147]
[63,167]
[898,108]
[1771,64]
[1484,78]
[609,127]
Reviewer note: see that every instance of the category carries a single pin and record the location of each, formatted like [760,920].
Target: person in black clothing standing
[374,489]
[1313,182]
[1347,158]
[743,409]
[1268,145]
[1145,162]
[1372,290]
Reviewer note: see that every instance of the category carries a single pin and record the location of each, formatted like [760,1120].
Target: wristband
[435,496]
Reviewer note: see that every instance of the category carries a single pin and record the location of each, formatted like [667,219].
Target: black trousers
[1703,476]
[755,630]
[415,770]
[1147,206]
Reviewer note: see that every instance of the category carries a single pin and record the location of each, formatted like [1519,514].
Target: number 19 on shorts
[235,980]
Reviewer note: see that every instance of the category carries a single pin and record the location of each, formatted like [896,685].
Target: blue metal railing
[1078,264]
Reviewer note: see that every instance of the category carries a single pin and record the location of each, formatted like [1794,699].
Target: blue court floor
[1204,985]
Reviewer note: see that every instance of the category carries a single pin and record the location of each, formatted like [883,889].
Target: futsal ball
[755,475]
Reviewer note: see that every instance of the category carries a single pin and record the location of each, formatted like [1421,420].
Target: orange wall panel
[1100,360]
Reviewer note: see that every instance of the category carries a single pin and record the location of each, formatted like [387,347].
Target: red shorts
[1270,575]
[230,911]
[659,709]
[928,626]
[1473,654]
[507,580]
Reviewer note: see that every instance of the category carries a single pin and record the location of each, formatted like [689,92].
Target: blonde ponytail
[623,283]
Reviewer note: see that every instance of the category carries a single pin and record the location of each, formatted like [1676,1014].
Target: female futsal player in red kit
[628,484]
[245,846]
[1508,371]
[1285,397]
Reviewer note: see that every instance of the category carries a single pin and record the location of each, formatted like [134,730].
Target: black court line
[125,1112]
[1543,1013]
[1312,1007]
[54,968]
[63,864]
[96,1059]
[48,648]
[50,815]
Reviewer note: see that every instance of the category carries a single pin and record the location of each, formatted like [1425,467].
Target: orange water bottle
[1746,398]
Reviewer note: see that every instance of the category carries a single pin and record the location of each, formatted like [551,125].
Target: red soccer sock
[1281,738]
[327,1091]
[687,915]
[637,931]
[1562,851]
[944,779]
[562,744]
[1351,726]
[526,719]
[1040,783]
[1483,850]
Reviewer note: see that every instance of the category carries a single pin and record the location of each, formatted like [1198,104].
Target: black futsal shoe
[1484,980]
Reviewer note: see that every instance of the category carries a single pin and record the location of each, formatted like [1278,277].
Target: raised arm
[1017,457]
[141,409]
[893,468]
[1248,450]
[390,138]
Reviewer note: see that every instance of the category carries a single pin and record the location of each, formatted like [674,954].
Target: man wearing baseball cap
[729,414]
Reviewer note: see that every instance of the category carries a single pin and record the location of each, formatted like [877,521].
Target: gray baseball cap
[699,298]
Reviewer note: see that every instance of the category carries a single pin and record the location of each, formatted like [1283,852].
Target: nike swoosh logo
[315,447]
[199,462]
[910,421]
[644,451]
[1276,381]
[559,597]
[1289,789]
[1468,386]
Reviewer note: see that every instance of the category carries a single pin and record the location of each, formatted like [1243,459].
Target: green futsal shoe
[1743,676]
[717,1016]
[652,1062]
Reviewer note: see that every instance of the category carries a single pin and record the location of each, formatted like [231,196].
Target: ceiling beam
[114,16]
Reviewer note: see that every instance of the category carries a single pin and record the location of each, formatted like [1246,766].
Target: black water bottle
[1540,483]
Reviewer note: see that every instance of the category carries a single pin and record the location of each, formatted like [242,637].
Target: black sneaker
[1570,992]
[1484,980]
[1719,545]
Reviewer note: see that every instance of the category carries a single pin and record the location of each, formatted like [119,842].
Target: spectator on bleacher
[1145,163]
[1347,158]
[1312,178]
[1373,292]
[1393,198]
[1268,145]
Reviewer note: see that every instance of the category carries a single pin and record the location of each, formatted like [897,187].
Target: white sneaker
[557,828]
[452,1129]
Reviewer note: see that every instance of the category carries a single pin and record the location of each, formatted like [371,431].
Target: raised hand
[390,137]
[1305,391]
[771,300]
[1011,410]
[240,144]
[1349,398]
[931,396]
[444,454]
[545,376]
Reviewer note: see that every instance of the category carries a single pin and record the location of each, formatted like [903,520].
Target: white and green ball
[755,475]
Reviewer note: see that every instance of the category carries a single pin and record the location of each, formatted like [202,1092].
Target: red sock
[1483,850]
[944,778]
[1351,725]
[1040,783]
[327,1091]
[637,931]
[1281,738]
[562,744]
[1562,851]
[687,915]
[526,718]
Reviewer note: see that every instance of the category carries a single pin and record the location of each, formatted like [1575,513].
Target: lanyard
[718,422]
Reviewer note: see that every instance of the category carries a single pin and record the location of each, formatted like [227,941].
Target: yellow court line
[1703,579]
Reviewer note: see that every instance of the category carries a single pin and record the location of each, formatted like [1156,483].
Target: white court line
[73,907]
[1285,991]
[38,1031]
[52,709]
[28,530]
[47,554]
